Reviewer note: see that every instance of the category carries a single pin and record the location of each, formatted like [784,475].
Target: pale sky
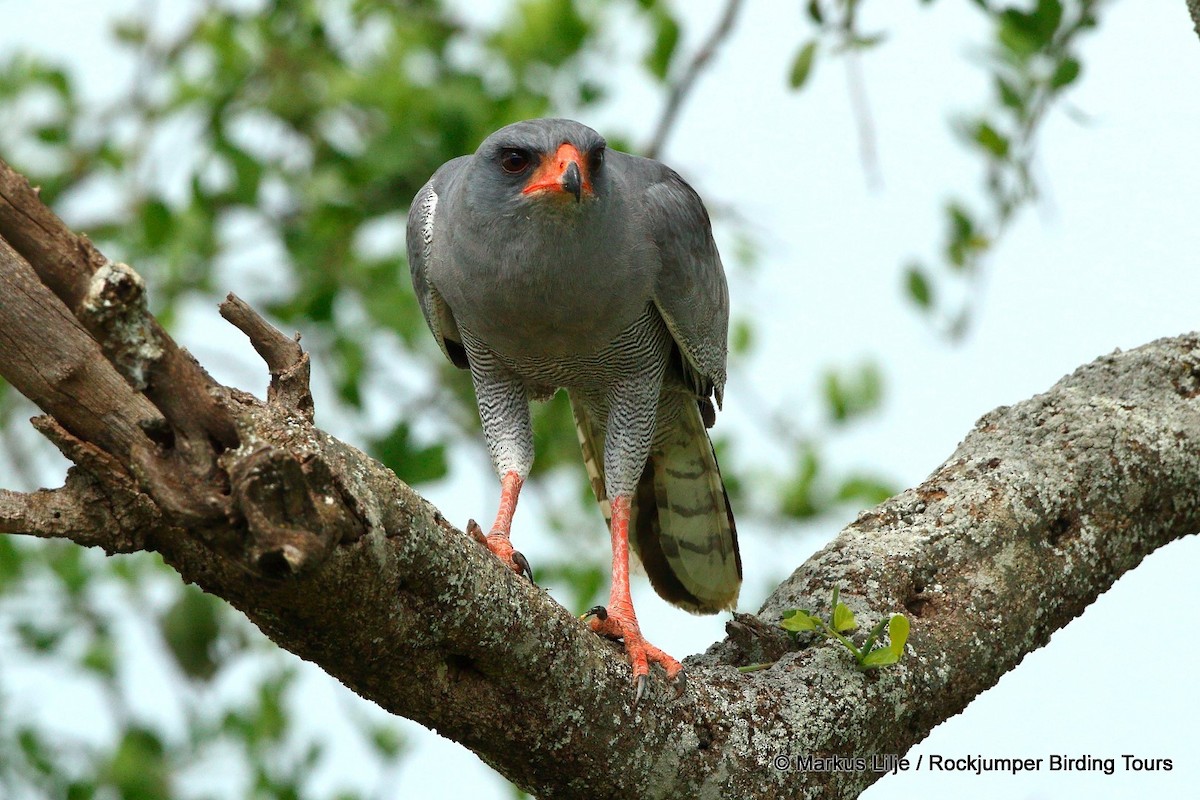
[1110,259]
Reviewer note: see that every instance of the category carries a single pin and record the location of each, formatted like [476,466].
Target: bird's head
[542,161]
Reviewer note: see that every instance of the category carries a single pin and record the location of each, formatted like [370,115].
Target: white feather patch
[428,209]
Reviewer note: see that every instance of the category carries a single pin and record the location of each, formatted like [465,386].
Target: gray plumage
[617,296]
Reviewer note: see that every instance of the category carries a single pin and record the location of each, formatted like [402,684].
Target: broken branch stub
[285,358]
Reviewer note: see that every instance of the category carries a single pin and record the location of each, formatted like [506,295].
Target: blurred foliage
[68,606]
[273,148]
[1032,60]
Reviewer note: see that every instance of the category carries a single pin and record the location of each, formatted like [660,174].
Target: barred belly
[618,386]
[637,354]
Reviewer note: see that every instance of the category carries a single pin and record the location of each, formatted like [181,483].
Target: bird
[547,261]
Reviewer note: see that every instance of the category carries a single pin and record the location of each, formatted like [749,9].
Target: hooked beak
[565,171]
[572,181]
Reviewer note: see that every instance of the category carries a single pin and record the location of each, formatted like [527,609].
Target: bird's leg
[618,619]
[498,541]
[504,412]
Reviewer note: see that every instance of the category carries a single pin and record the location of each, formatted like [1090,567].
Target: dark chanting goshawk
[546,261]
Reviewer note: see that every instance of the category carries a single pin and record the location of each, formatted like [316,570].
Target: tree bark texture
[1039,510]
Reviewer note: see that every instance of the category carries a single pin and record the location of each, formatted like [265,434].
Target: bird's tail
[680,522]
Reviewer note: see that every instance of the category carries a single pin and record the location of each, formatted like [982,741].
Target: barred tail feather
[591,442]
[681,524]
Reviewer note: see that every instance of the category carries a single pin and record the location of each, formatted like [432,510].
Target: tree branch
[1040,509]
[682,87]
[75,385]
[286,360]
[1194,8]
[94,288]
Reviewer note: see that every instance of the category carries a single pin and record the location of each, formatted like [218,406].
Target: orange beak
[565,171]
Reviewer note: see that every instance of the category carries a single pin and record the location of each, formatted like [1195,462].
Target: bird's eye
[596,159]
[514,161]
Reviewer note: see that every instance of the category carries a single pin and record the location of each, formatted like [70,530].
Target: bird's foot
[499,543]
[617,624]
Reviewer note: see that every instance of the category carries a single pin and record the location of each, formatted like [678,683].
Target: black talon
[641,689]
[599,612]
[523,563]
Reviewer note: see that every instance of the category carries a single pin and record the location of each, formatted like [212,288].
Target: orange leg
[618,620]
[498,541]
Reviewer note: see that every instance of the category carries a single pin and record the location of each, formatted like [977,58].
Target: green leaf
[101,657]
[81,790]
[666,41]
[964,241]
[52,134]
[542,31]
[414,463]
[247,172]
[916,283]
[1017,35]
[387,741]
[866,42]
[265,722]
[880,658]
[1065,73]
[865,489]
[129,31]
[67,561]
[36,751]
[873,636]
[554,437]
[741,337]
[271,717]
[585,581]
[815,13]
[352,361]
[1047,17]
[138,769]
[799,498]
[802,65]
[852,393]
[843,618]
[156,223]
[37,638]
[1010,96]
[59,81]
[898,634]
[991,140]
[190,628]
[799,621]
[12,563]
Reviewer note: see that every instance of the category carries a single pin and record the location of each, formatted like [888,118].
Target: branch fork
[139,415]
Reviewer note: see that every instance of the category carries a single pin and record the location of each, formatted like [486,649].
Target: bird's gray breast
[542,283]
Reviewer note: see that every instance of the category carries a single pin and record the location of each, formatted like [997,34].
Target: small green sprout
[873,653]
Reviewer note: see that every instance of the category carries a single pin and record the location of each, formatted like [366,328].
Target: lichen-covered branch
[70,380]
[1040,509]
[93,288]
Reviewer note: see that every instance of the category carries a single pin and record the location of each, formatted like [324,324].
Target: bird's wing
[424,255]
[690,290]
